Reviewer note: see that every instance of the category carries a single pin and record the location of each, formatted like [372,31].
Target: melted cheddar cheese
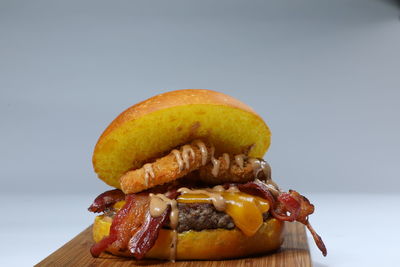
[119,205]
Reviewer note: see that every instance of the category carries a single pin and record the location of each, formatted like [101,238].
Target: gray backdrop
[324,75]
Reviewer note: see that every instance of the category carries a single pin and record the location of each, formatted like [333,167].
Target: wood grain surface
[294,252]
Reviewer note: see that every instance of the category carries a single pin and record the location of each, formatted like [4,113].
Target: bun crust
[207,244]
[153,127]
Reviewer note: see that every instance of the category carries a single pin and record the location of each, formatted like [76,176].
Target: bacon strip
[145,238]
[125,223]
[317,239]
[101,246]
[298,206]
[133,228]
[106,200]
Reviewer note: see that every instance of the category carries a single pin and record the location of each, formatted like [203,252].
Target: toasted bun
[207,244]
[149,129]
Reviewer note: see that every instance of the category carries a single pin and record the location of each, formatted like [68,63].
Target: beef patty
[201,216]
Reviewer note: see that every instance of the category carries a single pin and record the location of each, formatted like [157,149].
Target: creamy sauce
[216,197]
[260,166]
[203,150]
[174,241]
[178,158]
[148,171]
[215,162]
[273,189]
[256,166]
[158,204]
[183,159]
[187,152]
[272,186]
[266,168]
[218,188]
[221,189]
[271,182]
[233,189]
[239,159]
[215,170]
[227,160]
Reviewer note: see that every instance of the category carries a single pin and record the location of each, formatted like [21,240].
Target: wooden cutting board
[294,252]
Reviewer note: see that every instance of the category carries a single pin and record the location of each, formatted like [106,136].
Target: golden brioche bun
[150,128]
[207,244]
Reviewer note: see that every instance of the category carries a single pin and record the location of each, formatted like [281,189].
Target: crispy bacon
[125,223]
[101,246]
[133,228]
[106,200]
[298,207]
[145,238]
[317,239]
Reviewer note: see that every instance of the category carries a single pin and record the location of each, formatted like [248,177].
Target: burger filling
[192,190]
[192,216]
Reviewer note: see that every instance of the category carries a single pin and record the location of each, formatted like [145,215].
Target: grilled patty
[201,216]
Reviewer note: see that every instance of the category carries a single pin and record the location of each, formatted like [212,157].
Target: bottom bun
[213,244]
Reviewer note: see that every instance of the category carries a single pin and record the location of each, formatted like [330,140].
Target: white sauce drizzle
[226,159]
[260,166]
[178,158]
[203,150]
[215,196]
[187,151]
[174,241]
[158,204]
[256,166]
[218,188]
[266,168]
[148,171]
[215,162]
[273,189]
[233,189]
[239,159]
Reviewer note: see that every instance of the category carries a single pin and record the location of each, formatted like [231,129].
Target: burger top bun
[153,127]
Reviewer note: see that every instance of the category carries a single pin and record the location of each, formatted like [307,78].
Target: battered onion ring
[173,166]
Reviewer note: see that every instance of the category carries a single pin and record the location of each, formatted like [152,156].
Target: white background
[323,74]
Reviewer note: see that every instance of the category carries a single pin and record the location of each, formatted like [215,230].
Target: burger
[190,182]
